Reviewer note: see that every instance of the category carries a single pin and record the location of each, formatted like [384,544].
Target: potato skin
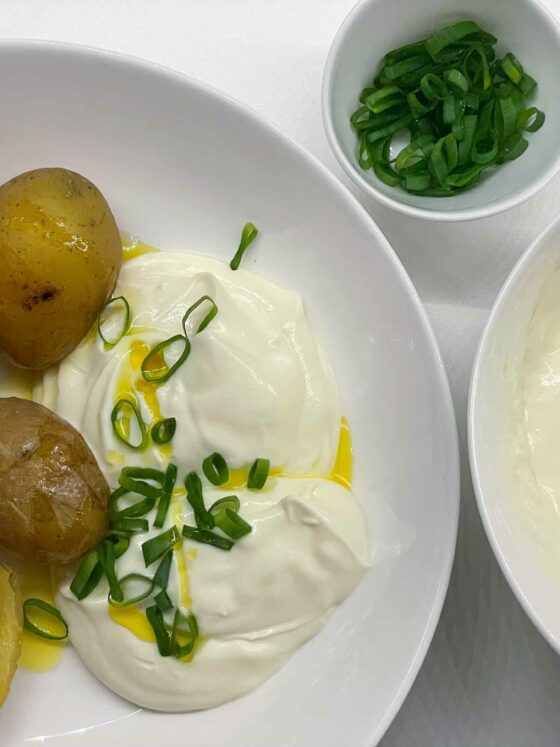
[53,496]
[61,253]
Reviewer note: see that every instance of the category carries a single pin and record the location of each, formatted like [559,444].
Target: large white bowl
[184,168]
[524,537]
[374,27]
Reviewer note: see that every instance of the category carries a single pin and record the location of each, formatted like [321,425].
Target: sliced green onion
[154,366]
[164,430]
[179,651]
[34,627]
[207,319]
[229,501]
[248,235]
[165,496]
[205,537]
[121,544]
[130,579]
[163,602]
[131,524]
[161,577]
[154,548]
[451,88]
[136,509]
[232,524]
[215,469]
[531,119]
[87,576]
[258,474]
[121,306]
[163,641]
[106,553]
[203,519]
[133,480]
[121,421]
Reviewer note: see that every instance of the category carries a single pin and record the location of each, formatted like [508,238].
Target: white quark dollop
[256,383]
[255,604]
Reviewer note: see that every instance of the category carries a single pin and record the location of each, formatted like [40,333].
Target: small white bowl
[523,529]
[374,27]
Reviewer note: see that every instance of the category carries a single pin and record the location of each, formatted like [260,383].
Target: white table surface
[489,679]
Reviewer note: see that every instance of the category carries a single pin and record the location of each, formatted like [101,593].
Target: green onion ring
[203,519]
[36,629]
[232,524]
[136,509]
[139,597]
[133,479]
[229,501]
[164,430]
[207,319]
[258,474]
[161,577]
[163,602]
[215,468]
[154,548]
[131,524]
[164,372]
[163,641]
[181,651]
[248,235]
[206,537]
[125,323]
[122,431]
[169,479]
[106,553]
[87,576]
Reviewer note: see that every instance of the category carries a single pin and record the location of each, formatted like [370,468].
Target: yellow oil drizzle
[133,248]
[134,620]
[344,461]
[38,654]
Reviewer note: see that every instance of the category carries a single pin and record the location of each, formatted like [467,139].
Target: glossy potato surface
[53,496]
[60,253]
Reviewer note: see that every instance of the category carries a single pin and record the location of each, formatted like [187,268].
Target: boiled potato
[60,252]
[11,621]
[53,496]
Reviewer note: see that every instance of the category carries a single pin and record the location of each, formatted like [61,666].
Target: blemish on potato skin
[45,294]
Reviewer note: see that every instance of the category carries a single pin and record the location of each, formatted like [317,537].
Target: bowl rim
[461,214]
[520,269]
[449,422]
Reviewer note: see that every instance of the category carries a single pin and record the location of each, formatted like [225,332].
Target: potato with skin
[60,252]
[11,624]
[53,496]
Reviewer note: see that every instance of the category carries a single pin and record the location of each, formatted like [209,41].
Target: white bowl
[374,27]
[184,167]
[523,531]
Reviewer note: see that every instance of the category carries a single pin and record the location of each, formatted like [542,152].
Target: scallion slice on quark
[135,587]
[203,519]
[179,633]
[169,479]
[215,468]
[157,368]
[162,600]
[258,474]
[164,430]
[205,321]
[106,553]
[128,425]
[36,611]
[161,577]
[154,548]
[232,524]
[163,640]
[206,537]
[114,320]
[248,235]
[133,479]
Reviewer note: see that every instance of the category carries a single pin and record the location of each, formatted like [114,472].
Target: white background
[489,679]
